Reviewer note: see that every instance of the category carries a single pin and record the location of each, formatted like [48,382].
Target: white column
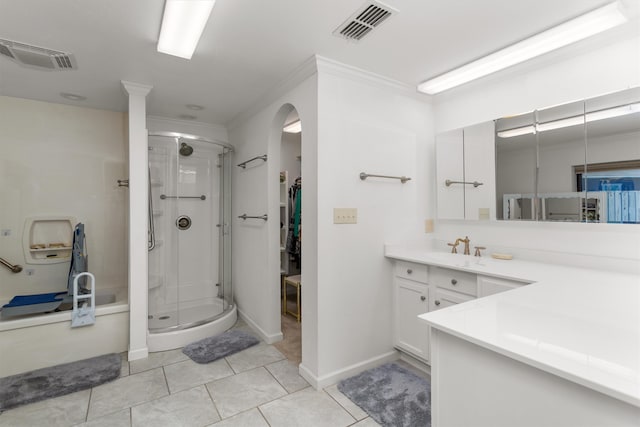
[138,219]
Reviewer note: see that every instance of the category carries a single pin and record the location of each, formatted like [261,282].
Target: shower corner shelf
[47,240]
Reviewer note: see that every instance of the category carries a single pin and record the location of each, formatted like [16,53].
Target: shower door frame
[224,253]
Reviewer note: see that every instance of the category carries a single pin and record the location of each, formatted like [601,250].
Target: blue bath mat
[57,380]
[219,346]
[391,395]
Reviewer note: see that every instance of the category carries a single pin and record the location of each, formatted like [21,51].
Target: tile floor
[256,387]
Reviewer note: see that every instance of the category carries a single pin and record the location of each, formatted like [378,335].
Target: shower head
[186,149]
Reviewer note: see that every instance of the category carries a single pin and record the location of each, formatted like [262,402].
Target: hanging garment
[295,220]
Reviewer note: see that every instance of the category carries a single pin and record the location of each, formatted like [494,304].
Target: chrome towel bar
[243,165]
[164,196]
[474,183]
[402,179]
[245,216]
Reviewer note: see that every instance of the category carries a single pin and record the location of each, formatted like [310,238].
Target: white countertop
[582,325]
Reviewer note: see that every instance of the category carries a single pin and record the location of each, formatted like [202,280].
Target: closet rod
[402,179]
[245,216]
[243,165]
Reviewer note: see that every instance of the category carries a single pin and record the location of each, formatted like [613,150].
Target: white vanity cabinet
[488,285]
[421,288]
[466,156]
[411,298]
[451,287]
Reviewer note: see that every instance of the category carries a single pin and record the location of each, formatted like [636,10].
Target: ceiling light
[182,25]
[194,107]
[584,26]
[594,116]
[293,127]
[73,96]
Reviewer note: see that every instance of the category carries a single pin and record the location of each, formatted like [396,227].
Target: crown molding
[330,66]
[133,88]
[301,73]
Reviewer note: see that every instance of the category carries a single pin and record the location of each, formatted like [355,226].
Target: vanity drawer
[454,280]
[412,271]
[442,298]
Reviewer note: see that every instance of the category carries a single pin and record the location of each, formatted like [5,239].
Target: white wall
[62,160]
[290,149]
[256,254]
[365,124]
[352,122]
[210,131]
[605,65]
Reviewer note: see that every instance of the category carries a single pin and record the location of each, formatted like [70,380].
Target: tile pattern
[258,387]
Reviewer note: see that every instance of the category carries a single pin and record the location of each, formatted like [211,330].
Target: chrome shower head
[185,149]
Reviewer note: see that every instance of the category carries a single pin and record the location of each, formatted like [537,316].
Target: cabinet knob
[422,298]
[409,271]
[454,282]
[437,302]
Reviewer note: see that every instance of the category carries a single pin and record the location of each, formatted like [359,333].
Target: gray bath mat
[57,380]
[391,395]
[223,345]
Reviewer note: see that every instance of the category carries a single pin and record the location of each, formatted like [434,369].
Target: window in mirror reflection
[574,162]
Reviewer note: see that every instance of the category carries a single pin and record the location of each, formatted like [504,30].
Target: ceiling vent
[365,19]
[37,57]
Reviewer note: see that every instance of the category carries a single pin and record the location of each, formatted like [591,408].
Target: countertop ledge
[580,324]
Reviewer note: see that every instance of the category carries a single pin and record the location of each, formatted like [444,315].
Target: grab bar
[151,244]
[243,165]
[164,196]
[474,183]
[245,216]
[402,179]
[14,268]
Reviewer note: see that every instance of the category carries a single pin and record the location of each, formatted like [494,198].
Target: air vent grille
[365,19]
[37,57]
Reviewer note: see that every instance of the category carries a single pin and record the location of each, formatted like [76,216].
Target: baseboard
[141,353]
[332,378]
[268,338]
[416,363]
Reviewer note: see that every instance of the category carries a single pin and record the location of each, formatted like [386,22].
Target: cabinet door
[449,166]
[443,298]
[491,285]
[411,333]
[480,165]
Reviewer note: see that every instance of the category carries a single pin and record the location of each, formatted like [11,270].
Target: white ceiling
[250,45]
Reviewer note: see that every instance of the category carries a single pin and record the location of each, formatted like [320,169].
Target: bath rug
[58,380]
[391,395]
[219,346]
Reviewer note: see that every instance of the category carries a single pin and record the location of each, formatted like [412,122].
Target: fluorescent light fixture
[182,25]
[584,26]
[594,116]
[293,127]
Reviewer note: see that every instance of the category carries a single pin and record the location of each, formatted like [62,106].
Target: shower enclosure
[190,290]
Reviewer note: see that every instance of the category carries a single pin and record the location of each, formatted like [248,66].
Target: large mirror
[577,162]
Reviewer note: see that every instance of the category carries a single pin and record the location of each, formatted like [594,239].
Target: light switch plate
[345,215]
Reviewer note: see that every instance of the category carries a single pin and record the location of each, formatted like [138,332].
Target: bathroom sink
[459,260]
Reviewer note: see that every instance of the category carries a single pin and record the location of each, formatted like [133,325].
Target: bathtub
[42,340]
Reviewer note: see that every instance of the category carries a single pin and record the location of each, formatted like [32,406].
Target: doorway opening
[290,205]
